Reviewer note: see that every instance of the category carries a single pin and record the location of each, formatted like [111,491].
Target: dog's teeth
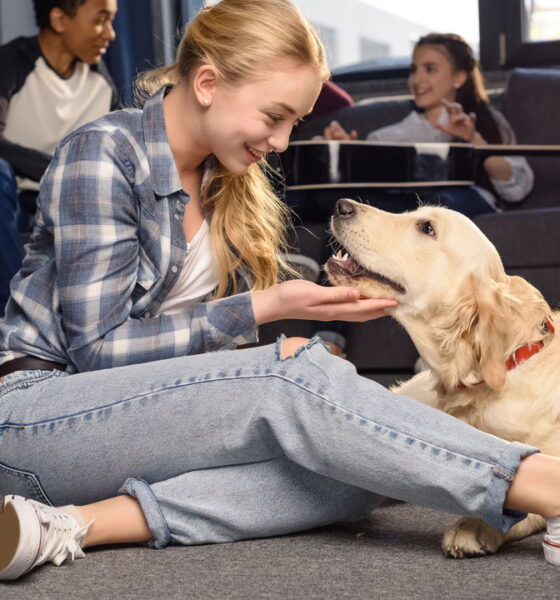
[345,257]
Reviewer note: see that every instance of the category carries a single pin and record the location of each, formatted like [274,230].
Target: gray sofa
[526,235]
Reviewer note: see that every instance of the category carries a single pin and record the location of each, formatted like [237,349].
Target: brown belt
[26,363]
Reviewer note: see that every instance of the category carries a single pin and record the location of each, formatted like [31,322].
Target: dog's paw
[468,538]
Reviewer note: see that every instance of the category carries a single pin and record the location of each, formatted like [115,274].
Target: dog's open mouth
[344,264]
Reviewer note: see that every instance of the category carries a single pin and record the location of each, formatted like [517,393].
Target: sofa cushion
[363,117]
[530,103]
[524,238]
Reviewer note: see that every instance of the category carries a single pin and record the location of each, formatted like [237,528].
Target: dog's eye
[426,228]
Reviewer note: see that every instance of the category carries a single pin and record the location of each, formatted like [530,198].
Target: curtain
[133,49]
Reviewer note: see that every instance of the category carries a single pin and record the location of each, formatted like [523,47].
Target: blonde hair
[240,38]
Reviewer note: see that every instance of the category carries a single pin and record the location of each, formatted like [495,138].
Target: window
[372,50]
[330,40]
[543,20]
[518,33]
[384,31]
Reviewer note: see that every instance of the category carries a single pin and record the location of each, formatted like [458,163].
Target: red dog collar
[522,353]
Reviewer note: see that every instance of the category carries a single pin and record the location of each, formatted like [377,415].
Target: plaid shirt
[107,247]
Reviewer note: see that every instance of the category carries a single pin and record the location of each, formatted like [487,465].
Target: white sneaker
[551,542]
[32,533]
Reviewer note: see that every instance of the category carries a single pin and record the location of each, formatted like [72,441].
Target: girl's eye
[275,118]
[426,228]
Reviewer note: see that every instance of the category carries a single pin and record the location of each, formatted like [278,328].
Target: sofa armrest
[363,117]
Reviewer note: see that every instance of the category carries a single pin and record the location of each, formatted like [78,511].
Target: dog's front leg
[470,537]
[420,387]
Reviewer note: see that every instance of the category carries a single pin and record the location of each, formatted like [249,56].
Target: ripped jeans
[241,444]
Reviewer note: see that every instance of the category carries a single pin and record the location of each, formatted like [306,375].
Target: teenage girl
[452,105]
[125,415]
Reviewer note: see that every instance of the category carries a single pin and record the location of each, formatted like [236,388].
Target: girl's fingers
[452,106]
[341,294]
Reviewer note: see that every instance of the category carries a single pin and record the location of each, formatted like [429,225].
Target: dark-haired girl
[452,106]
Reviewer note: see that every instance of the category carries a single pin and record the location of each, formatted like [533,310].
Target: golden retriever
[487,338]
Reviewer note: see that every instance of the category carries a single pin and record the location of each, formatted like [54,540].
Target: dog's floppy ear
[492,329]
[490,319]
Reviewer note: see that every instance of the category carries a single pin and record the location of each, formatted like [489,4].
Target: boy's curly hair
[43,10]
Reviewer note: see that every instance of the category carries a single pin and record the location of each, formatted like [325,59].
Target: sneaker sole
[17,551]
[551,553]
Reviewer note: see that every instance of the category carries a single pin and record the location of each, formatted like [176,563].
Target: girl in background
[452,106]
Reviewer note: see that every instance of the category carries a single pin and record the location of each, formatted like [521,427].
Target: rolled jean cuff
[141,490]
[503,474]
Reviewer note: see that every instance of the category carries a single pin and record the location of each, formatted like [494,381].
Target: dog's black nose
[344,208]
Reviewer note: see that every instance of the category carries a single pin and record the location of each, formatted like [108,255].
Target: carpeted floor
[395,556]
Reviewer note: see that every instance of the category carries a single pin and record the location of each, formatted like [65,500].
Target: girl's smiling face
[433,77]
[245,121]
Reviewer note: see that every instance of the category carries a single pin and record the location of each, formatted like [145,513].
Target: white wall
[16,18]
[353,19]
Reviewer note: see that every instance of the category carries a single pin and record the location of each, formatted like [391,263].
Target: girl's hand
[335,131]
[460,124]
[297,299]
[335,349]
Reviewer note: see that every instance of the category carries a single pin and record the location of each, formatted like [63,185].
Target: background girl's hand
[297,299]
[335,131]
[460,124]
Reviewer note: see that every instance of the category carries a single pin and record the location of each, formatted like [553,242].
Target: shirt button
[174,269]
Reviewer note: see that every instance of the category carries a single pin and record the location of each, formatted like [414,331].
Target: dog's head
[463,312]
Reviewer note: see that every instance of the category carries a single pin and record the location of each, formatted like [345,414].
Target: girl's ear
[459,79]
[205,82]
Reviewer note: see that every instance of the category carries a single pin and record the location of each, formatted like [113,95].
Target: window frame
[503,25]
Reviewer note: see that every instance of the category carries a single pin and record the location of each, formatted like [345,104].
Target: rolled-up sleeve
[522,178]
[89,203]
[520,184]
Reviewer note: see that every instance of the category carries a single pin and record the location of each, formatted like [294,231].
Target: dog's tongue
[347,264]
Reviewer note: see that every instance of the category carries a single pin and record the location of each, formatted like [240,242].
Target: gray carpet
[394,556]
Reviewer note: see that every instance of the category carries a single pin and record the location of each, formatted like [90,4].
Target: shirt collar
[163,171]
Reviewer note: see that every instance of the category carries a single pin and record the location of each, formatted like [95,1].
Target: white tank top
[198,276]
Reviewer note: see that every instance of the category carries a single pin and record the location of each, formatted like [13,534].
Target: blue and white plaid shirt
[107,247]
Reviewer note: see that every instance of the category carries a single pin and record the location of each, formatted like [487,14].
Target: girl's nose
[279,141]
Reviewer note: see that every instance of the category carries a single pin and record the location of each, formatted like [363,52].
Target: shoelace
[61,534]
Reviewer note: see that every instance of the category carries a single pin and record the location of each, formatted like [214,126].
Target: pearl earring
[206,102]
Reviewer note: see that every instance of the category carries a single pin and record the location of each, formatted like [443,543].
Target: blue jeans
[10,247]
[240,444]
